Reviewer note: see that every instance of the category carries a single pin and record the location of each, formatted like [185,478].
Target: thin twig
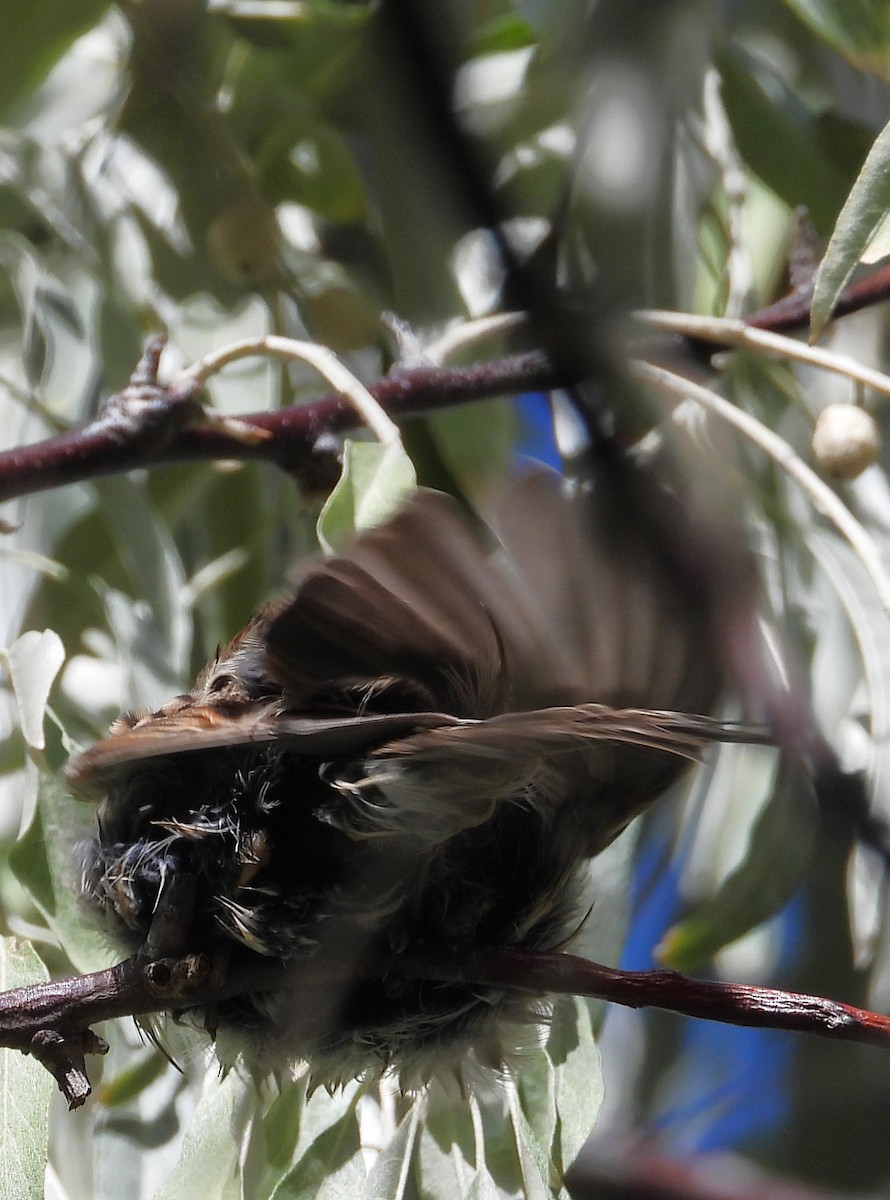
[470,332]
[323,360]
[725,332]
[819,493]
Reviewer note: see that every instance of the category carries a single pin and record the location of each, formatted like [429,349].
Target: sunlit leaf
[390,1175]
[579,1084]
[208,1164]
[331,1168]
[376,479]
[33,662]
[535,1163]
[446,1165]
[860,220]
[25,1091]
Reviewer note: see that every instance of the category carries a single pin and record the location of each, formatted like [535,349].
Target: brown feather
[427,740]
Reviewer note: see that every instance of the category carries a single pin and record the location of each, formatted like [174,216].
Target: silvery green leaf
[148,553]
[578,1076]
[330,1168]
[390,1176]
[446,1154]
[376,478]
[536,1090]
[860,220]
[33,661]
[209,1164]
[538,1170]
[44,863]
[26,1088]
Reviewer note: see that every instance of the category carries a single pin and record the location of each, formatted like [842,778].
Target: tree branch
[792,312]
[52,1020]
[179,430]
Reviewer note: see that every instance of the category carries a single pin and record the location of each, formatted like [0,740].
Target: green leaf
[209,1163]
[860,220]
[25,1091]
[44,863]
[132,1081]
[34,660]
[149,555]
[534,1159]
[476,442]
[445,1167]
[389,1177]
[503,33]
[376,479]
[331,1168]
[308,162]
[858,29]
[764,882]
[579,1083]
[536,1090]
[282,1124]
[32,39]
[806,157]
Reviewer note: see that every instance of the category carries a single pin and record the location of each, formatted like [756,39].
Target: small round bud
[243,242]
[846,440]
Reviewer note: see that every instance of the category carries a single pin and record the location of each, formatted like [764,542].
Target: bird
[424,742]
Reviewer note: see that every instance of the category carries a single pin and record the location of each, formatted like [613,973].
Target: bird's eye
[220,683]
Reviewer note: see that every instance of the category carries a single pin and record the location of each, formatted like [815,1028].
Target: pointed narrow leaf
[860,221]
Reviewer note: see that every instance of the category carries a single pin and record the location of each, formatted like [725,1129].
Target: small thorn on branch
[62,1053]
[152,414]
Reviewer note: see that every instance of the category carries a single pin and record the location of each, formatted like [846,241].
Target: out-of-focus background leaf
[233,168]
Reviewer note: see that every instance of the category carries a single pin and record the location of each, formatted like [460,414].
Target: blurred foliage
[230,168]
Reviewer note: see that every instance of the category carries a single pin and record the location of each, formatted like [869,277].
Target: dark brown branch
[730,1003]
[792,312]
[52,1020]
[111,444]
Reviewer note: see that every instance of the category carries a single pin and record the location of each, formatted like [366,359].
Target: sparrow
[424,743]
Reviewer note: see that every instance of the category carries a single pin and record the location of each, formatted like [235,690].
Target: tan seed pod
[846,440]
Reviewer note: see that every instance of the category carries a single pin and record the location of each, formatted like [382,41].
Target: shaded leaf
[45,863]
[764,882]
[805,157]
[29,47]
[859,29]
